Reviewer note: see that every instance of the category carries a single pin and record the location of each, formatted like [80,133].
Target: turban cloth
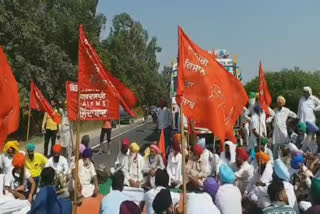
[31,147]
[262,157]
[11,144]
[134,147]
[87,153]
[162,201]
[82,148]
[315,190]
[264,141]
[242,154]
[252,95]
[296,161]
[57,148]
[281,100]
[302,127]
[18,161]
[307,89]
[202,143]
[126,143]
[281,170]
[211,187]
[129,207]
[197,150]
[177,137]
[257,109]
[226,174]
[155,148]
[311,128]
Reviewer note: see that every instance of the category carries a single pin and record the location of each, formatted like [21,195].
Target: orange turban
[18,161]
[177,138]
[262,157]
[57,148]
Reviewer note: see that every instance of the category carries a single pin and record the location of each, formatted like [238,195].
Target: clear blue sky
[282,33]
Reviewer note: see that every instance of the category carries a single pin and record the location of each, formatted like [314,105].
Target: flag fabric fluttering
[210,95]
[10,103]
[39,103]
[264,95]
[93,75]
[162,146]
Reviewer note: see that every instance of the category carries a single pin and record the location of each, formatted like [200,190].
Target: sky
[280,33]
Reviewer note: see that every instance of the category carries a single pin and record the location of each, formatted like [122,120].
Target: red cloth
[57,148]
[9,104]
[242,154]
[210,95]
[18,160]
[39,103]
[262,157]
[264,95]
[93,75]
[197,150]
[155,148]
[162,147]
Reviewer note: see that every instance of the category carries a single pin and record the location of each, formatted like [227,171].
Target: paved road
[142,133]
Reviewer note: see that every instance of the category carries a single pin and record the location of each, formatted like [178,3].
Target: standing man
[49,129]
[280,133]
[106,129]
[65,133]
[256,130]
[165,121]
[308,104]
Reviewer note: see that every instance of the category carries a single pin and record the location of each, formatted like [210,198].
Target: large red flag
[93,75]
[264,96]
[9,104]
[210,95]
[38,102]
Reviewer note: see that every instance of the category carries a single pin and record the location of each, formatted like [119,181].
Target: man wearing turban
[9,150]
[308,104]
[245,170]
[133,168]
[206,156]
[174,167]
[280,118]
[122,156]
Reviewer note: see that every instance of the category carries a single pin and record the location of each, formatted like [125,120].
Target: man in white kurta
[228,156]
[201,203]
[133,168]
[255,128]
[65,134]
[244,170]
[174,167]
[206,156]
[122,157]
[245,121]
[280,133]
[308,104]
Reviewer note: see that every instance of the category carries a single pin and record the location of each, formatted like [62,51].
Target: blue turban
[252,154]
[311,128]
[226,174]
[281,170]
[257,109]
[87,153]
[202,143]
[296,160]
[31,147]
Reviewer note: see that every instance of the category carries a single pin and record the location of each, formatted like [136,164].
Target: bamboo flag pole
[76,177]
[260,109]
[183,142]
[119,136]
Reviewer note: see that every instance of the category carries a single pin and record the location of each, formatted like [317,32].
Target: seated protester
[315,197]
[35,162]
[195,169]
[203,202]
[46,200]
[302,136]
[111,202]
[281,173]
[244,170]
[228,156]
[292,136]
[133,168]
[257,187]
[152,162]
[279,200]
[285,155]
[9,150]
[174,167]
[85,140]
[122,157]
[264,143]
[86,175]
[73,158]
[21,186]
[162,203]
[228,197]
[161,182]
[129,207]
[206,156]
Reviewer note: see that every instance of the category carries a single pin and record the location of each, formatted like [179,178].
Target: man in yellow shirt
[50,130]
[35,162]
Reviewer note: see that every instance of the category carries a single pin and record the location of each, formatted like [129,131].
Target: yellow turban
[11,144]
[134,147]
[281,100]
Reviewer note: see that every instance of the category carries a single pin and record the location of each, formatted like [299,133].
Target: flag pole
[29,118]
[77,154]
[259,101]
[183,142]
[120,135]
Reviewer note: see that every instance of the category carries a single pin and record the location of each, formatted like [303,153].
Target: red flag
[9,104]
[39,103]
[264,96]
[93,75]
[162,147]
[210,95]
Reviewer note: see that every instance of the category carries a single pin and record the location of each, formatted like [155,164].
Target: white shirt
[254,124]
[121,160]
[133,169]
[86,174]
[280,133]
[151,194]
[243,175]
[206,159]
[266,177]
[306,109]
[201,203]
[60,167]
[174,168]
[228,199]
[292,199]
[15,183]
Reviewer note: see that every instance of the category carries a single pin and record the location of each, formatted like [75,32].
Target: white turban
[281,99]
[307,89]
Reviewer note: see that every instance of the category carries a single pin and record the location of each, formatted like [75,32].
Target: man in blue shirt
[111,202]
